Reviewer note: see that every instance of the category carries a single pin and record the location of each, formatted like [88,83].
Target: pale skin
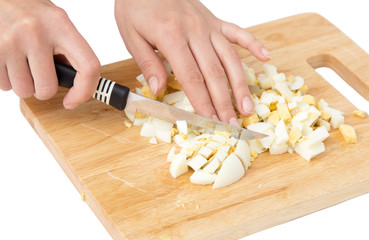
[196,44]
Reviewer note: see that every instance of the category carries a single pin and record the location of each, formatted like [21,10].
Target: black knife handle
[107,91]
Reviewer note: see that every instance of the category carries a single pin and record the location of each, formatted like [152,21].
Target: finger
[4,80]
[245,39]
[80,55]
[215,78]
[148,61]
[236,76]
[42,68]
[189,76]
[20,76]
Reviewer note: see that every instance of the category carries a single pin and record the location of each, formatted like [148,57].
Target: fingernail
[265,52]
[247,105]
[215,117]
[234,122]
[153,83]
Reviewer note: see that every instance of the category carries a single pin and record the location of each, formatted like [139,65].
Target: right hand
[32,32]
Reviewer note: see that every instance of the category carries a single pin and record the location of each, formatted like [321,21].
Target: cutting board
[126,180]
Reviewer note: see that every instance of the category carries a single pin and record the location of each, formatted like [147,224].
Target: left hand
[198,47]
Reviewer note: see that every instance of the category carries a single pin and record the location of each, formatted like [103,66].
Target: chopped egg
[348,133]
[360,113]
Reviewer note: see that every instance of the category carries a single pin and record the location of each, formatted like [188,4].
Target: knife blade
[121,98]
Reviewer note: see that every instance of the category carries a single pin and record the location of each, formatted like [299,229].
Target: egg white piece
[231,171]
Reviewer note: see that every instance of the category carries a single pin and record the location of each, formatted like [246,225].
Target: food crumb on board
[127,124]
[164,237]
[197,207]
[361,113]
[83,196]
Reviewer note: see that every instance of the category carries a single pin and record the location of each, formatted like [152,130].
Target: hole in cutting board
[327,66]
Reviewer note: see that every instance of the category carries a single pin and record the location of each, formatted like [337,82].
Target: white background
[37,200]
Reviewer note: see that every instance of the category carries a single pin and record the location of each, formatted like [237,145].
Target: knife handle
[107,91]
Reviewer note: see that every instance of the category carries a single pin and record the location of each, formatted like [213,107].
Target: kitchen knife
[121,98]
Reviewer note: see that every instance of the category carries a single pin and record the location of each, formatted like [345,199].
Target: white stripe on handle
[104,90]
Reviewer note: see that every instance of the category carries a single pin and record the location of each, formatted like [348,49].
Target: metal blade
[153,108]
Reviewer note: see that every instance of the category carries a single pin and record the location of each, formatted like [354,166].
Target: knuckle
[225,107]
[215,71]
[7,43]
[193,76]
[46,92]
[147,64]
[28,25]
[170,30]
[59,14]
[24,92]
[92,68]
[205,108]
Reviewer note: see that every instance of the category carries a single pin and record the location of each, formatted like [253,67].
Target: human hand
[198,47]
[31,33]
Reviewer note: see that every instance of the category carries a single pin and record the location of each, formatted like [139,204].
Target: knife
[121,98]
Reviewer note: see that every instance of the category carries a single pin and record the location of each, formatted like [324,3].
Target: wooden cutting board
[126,180]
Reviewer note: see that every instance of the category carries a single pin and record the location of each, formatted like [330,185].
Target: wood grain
[126,180]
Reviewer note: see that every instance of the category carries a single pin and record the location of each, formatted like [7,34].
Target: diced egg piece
[262,110]
[283,111]
[232,141]
[249,74]
[297,84]
[348,133]
[180,140]
[220,139]
[276,149]
[174,97]
[309,151]
[222,153]
[212,166]
[147,130]
[231,171]
[323,123]
[130,115]
[274,118]
[146,92]
[139,121]
[197,162]
[283,89]
[292,105]
[260,127]
[281,134]
[213,145]
[268,140]
[309,99]
[270,70]
[294,135]
[164,135]
[202,177]
[141,79]
[153,140]
[306,131]
[267,98]
[255,146]
[178,166]
[171,154]
[205,152]
[250,119]
[360,113]
[242,151]
[182,126]
[127,124]
[265,81]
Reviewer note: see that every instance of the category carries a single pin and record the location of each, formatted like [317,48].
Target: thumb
[149,62]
